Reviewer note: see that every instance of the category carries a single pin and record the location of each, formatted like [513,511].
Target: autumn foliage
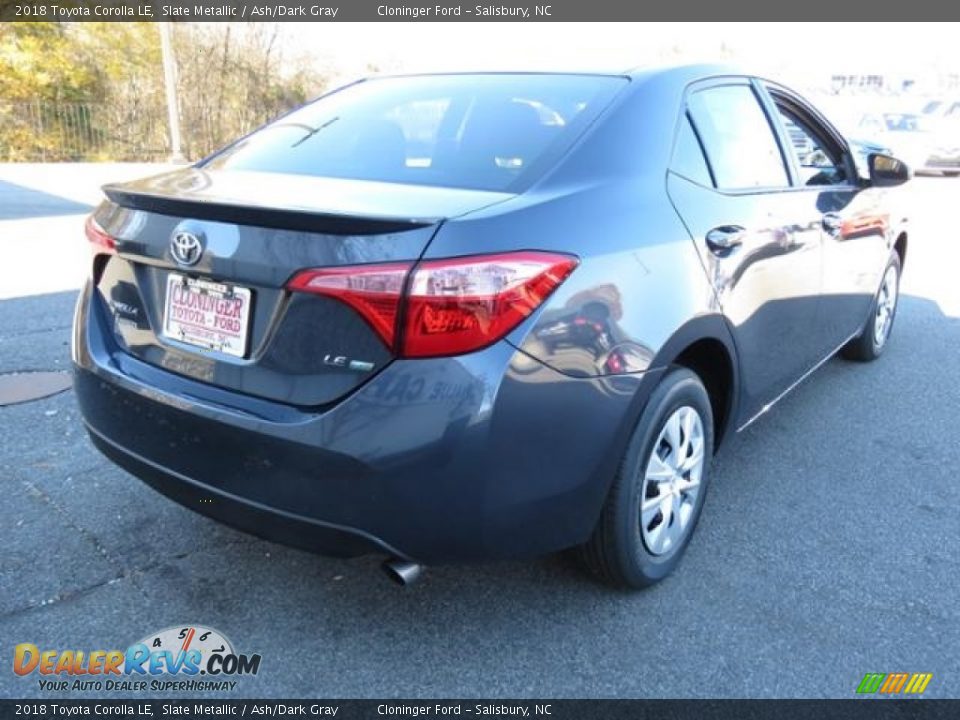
[94,91]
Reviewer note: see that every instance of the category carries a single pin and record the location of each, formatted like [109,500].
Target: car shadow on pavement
[18,203]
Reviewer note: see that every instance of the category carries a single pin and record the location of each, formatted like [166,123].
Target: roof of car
[681,72]
[688,72]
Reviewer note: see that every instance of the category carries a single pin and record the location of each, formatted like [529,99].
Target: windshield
[484,132]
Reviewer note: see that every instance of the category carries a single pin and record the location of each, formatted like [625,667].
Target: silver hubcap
[671,481]
[886,305]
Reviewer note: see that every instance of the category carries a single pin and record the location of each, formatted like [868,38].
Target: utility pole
[170,83]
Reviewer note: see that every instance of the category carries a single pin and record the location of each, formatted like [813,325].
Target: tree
[38,62]
[233,78]
[94,91]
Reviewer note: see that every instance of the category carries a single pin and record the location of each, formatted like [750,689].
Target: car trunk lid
[225,316]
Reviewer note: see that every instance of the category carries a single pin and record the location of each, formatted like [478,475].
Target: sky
[803,52]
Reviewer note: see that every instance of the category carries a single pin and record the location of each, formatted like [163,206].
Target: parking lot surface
[829,546]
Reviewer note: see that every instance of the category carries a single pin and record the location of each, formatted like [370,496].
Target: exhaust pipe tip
[402,572]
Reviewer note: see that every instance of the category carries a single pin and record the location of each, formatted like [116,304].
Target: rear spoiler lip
[259,216]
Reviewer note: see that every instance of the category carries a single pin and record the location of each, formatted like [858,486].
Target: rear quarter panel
[639,279]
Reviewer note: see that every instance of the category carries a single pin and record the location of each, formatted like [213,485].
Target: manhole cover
[27,386]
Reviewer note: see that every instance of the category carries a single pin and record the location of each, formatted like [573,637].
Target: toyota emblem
[186,247]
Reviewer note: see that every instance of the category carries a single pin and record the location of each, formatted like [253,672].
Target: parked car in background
[942,108]
[463,317]
[926,143]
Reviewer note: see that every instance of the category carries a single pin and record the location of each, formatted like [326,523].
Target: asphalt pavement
[829,546]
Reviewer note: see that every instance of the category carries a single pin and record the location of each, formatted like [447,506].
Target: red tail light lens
[100,241]
[451,306]
[374,291]
[463,304]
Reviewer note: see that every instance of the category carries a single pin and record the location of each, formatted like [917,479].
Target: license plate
[207,314]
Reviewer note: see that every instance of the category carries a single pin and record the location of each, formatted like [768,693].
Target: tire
[625,549]
[871,342]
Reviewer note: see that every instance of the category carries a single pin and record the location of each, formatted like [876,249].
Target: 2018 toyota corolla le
[461,317]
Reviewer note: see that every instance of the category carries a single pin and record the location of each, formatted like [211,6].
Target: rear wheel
[658,493]
[875,333]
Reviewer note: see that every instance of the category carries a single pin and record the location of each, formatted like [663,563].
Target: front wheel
[875,333]
[658,493]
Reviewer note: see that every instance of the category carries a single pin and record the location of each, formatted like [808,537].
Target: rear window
[484,132]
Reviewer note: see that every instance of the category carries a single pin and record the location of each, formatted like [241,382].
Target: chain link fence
[78,132]
[118,132]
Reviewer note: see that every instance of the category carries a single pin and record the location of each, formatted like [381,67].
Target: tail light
[443,307]
[100,241]
[463,304]
[374,291]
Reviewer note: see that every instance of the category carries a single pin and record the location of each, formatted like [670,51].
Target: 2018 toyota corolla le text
[476,316]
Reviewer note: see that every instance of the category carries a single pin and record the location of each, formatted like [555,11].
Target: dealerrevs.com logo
[182,658]
[894,683]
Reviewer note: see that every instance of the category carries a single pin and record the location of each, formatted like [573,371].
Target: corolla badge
[186,247]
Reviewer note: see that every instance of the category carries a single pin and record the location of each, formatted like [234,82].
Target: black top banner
[857,11]
[487,709]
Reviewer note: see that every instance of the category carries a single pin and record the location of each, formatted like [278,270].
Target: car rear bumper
[489,455]
[270,523]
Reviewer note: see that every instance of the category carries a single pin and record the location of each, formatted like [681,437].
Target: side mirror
[887,171]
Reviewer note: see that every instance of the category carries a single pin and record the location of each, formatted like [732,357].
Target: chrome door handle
[724,239]
[832,222]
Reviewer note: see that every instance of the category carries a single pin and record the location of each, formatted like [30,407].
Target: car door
[759,241]
[854,220]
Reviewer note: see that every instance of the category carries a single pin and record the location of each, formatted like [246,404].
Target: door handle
[832,222]
[724,239]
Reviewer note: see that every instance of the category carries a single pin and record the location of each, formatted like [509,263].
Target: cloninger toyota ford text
[466,317]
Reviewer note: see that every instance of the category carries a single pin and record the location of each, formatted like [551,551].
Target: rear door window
[487,132]
[740,145]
